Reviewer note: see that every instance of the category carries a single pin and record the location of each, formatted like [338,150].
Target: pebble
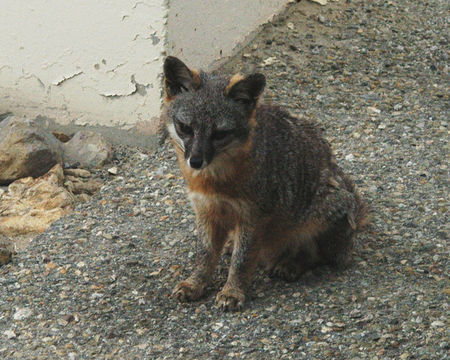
[22,313]
[437,323]
[9,334]
[114,170]
[350,157]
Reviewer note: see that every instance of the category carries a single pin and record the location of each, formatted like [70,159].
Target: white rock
[22,313]
[10,334]
[270,61]
[350,157]
[374,109]
[325,329]
[113,170]
[437,323]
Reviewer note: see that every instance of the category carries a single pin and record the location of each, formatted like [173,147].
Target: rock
[373,109]
[82,173]
[322,19]
[26,150]
[350,157]
[77,182]
[437,323]
[88,149]
[113,170]
[10,334]
[22,313]
[87,187]
[61,136]
[31,205]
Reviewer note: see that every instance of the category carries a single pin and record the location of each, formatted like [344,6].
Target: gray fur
[298,208]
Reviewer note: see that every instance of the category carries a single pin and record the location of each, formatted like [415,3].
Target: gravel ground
[374,74]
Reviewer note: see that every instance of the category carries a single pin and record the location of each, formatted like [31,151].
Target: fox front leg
[243,264]
[212,236]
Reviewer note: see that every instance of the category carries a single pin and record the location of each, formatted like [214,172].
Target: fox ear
[246,90]
[178,77]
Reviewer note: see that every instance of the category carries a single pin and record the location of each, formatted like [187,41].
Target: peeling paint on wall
[68,61]
[60,80]
[100,62]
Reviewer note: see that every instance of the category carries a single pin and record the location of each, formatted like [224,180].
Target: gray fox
[257,177]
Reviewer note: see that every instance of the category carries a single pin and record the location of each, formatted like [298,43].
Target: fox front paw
[188,291]
[230,299]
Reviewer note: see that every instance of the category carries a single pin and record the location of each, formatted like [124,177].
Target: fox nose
[196,162]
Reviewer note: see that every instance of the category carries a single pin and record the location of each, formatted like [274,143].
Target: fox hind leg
[326,239]
[293,263]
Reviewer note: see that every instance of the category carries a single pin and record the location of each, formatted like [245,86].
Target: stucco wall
[201,32]
[99,62]
[80,60]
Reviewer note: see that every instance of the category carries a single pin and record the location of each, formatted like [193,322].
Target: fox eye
[220,135]
[185,129]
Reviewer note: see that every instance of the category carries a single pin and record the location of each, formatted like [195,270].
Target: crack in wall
[66,77]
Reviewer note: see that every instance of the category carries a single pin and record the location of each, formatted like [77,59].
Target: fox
[263,183]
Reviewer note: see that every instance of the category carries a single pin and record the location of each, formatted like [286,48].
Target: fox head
[209,115]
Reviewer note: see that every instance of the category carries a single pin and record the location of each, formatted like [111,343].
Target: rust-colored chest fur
[227,176]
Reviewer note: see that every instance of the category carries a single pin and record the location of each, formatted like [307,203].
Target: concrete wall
[81,60]
[201,32]
[99,62]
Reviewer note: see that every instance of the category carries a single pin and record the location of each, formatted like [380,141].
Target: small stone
[64,321]
[437,323]
[10,334]
[50,266]
[290,26]
[325,329]
[22,313]
[289,307]
[322,19]
[269,61]
[113,170]
[350,157]
[78,173]
[86,187]
[61,136]
[355,313]
[373,110]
